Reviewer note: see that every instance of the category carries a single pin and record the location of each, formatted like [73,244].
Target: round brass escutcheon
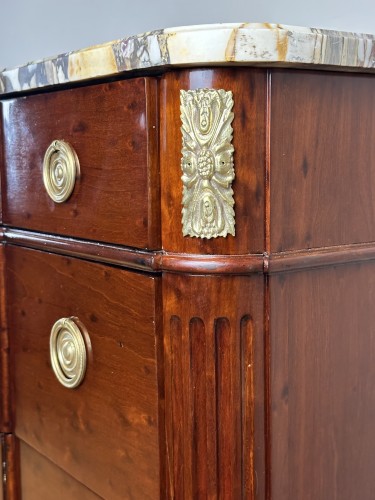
[68,352]
[60,170]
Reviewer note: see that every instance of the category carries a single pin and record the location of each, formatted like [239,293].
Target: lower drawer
[104,432]
[42,480]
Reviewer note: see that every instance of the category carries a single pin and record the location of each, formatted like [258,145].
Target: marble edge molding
[216,44]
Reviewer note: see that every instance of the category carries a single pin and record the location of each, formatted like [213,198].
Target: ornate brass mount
[207,163]
[60,170]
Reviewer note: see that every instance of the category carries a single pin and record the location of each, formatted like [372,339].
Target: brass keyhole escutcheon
[68,352]
[60,170]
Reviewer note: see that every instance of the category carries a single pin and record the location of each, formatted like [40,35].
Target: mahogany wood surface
[159,260]
[319,257]
[248,86]
[104,433]
[214,386]
[5,406]
[322,166]
[2,163]
[10,450]
[89,250]
[322,341]
[42,480]
[230,368]
[1,462]
[113,129]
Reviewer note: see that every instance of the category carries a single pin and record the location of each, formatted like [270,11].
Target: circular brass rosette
[60,170]
[68,352]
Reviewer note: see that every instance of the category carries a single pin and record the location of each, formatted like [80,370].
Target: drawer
[42,480]
[112,129]
[104,432]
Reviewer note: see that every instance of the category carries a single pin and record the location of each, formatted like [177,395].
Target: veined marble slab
[216,44]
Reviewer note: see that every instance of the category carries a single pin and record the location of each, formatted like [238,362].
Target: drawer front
[42,480]
[112,129]
[104,432]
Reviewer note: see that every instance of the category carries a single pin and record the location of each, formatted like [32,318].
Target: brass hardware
[60,170]
[68,352]
[207,163]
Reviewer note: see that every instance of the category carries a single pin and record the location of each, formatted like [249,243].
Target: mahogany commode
[188,268]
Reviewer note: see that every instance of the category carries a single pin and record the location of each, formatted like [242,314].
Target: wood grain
[322,393]
[110,423]
[42,480]
[5,403]
[1,160]
[10,452]
[214,373]
[322,159]
[1,462]
[158,261]
[249,91]
[90,250]
[319,257]
[113,128]
[236,368]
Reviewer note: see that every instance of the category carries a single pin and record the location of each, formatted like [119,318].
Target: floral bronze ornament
[207,163]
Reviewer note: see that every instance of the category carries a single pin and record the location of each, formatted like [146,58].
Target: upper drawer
[112,129]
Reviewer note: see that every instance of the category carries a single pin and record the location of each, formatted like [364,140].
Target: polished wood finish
[11,467]
[113,129]
[1,466]
[89,250]
[229,368]
[214,365]
[249,94]
[42,480]
[320,257]
[110,422]
[322,159]
[322,383]
[5,404]
[2,162]
[159,260]
[151,261]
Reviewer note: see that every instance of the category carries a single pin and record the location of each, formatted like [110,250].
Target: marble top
[216,44]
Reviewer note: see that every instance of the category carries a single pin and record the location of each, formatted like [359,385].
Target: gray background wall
[32,29]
